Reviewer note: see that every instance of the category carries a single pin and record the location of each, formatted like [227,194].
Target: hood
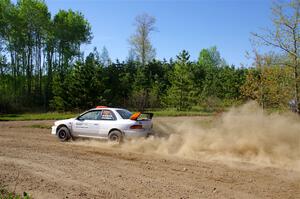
[67,121]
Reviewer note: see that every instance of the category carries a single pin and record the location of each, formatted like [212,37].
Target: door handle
[96,124]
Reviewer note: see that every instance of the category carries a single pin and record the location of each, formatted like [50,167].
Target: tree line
[42,68]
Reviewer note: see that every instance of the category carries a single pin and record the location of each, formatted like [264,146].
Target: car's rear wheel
[63,134]
[115,136]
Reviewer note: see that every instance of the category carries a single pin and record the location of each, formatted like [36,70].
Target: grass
[195,111]
[174,113]
[36,116]
[4,194]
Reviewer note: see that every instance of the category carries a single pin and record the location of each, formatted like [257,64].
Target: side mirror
[79,118]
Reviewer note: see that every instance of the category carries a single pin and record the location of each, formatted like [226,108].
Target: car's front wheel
[115,136]
[63,134]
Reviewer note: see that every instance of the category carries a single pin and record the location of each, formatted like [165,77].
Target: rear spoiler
[137,115]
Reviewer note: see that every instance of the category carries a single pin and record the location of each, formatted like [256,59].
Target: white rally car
[104,122]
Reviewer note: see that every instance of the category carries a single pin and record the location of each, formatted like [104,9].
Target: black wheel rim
[62,134]
[114,138]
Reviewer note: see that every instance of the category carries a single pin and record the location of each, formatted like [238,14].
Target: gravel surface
[34,161]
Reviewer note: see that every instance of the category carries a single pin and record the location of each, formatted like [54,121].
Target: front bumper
[53,130]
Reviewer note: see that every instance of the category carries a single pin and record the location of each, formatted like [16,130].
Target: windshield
[125,114]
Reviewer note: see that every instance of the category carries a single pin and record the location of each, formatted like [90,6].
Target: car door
[107,122]
[87,125]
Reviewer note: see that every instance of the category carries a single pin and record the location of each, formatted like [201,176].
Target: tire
[63,134]
[115,136]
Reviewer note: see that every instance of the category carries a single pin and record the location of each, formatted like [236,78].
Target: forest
[42,66]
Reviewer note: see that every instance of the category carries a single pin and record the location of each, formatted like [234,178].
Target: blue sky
[185,24]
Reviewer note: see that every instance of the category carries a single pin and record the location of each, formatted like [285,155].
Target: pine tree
[180,93]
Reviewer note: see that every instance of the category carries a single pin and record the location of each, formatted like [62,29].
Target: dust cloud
[244,133]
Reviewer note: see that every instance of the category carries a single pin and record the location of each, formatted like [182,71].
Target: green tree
[284,36]
[86,87]
[211,57]
[180,93]
[269,83]
[104,57]
[208,66]
[71,30]
[141,47]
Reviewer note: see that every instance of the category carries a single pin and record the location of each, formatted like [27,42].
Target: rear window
[124,114]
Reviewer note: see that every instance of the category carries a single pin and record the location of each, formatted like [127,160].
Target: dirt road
[34,161]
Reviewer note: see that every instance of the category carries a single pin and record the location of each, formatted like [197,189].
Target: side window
[107,115]
[92,115]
